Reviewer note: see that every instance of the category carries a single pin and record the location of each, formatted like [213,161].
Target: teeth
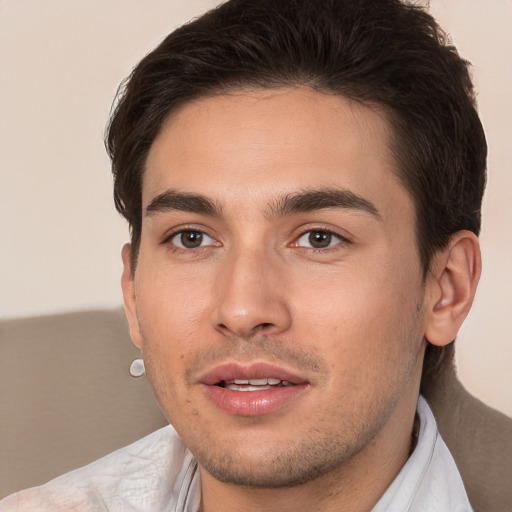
[258,382]
[245,387]
[255,384]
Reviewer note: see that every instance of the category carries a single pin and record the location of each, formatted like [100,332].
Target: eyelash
[342,239]
[168,239]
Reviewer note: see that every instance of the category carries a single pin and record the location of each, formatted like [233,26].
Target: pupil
[320,239]
[191,239]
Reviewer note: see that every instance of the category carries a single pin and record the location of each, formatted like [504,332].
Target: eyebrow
[312,200]
[194,203]
[299,202]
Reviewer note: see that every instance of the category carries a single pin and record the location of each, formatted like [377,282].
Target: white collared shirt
[158,474]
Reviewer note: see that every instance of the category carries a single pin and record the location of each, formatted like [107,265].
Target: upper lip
[257,370]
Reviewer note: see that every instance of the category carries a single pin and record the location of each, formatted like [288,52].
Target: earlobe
[453,281]
[128,287]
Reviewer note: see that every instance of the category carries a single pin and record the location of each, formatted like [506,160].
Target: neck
[355,486]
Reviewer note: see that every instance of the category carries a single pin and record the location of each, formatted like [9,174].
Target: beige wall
[60,63]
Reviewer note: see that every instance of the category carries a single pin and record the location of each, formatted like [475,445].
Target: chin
[277,466]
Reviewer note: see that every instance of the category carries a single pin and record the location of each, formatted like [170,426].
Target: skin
[349,318]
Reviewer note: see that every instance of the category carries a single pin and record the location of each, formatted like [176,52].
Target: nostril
[245,331]
[224,328]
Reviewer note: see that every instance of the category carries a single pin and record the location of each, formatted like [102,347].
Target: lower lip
[253,403]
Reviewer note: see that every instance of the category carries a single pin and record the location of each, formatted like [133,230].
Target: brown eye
[191,239]
[319,239]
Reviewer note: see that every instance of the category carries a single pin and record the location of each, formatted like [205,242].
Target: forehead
[248,144]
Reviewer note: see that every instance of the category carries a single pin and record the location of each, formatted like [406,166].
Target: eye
[191,239]
[318,239]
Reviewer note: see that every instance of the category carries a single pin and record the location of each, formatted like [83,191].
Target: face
[278,292]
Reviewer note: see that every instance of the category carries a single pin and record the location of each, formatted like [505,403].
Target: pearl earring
[137,368]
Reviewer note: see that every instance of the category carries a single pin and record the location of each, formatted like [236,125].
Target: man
[303,182]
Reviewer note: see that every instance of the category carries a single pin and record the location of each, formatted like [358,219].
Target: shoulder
[131,478]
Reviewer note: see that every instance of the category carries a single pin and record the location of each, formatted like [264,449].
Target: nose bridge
[251,294]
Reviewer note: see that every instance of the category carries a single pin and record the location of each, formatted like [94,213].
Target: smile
[252,389]
[254,384]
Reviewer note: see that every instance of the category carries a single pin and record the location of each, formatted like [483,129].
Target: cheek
[170,336]
[171,311]
[368,316]
[171,305]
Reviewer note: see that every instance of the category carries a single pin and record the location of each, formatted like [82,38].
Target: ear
[128,286]
[452,285]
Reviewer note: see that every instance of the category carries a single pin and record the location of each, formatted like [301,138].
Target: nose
[250,296]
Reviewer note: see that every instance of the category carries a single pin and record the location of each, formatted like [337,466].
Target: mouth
[252,390]
[254,384]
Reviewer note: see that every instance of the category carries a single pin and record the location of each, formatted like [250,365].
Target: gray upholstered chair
[66,395]
[66,398]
